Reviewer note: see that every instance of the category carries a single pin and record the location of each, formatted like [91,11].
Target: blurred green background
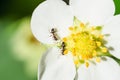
[19,50]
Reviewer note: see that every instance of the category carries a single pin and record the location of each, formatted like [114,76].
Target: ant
[53,31]
[63,47]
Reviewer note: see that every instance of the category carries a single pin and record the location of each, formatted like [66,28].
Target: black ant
[53,31]
[63,47]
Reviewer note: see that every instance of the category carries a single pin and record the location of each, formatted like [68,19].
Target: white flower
[56,14]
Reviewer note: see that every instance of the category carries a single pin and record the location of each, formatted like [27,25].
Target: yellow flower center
[85,43]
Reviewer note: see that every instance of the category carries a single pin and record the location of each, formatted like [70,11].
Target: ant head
[53,30]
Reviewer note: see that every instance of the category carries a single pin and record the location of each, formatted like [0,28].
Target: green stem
[111,56]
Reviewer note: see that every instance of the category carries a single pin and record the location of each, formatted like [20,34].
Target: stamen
[73,52]
[84,42]
[82,25]
[71,28]
[76,62]
[101,36]
[104,50]
[94,53]
[65,52]
[92,28]
[64,39]
[98,59]
[87,64]
[98,43]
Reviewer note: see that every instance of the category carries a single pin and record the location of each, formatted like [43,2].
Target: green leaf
[117,7]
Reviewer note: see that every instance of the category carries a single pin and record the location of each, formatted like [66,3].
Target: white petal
[107,70]
[55,66]
[85,73]
[51,14]
[113,28]
[93,11]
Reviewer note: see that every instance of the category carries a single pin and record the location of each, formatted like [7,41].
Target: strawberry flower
[82,39]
